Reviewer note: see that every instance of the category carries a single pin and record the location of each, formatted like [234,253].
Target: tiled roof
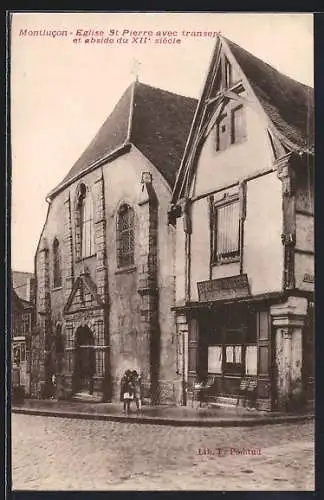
[160,123]
[20,283]
[288,103]
[160,127]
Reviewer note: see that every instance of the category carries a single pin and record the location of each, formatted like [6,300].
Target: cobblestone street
[50,453]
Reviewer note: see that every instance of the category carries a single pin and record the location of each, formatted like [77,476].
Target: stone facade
[127,310]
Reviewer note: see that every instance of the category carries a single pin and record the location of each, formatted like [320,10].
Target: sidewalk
[159,415]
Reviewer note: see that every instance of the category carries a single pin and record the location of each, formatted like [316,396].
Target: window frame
[228,73]
[125,259]
[242,136]
[84,199]
[219,259]
[222,120]
[57,264]
[226,117]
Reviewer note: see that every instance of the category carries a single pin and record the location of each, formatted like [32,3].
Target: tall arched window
[86,227]
[57,264]
[125,236]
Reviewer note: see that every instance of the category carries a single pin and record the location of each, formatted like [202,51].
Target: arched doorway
[84,367]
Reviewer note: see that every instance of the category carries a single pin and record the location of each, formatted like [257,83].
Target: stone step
[86,397]
[224,401]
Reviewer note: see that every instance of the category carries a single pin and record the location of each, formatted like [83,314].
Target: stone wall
[135,303]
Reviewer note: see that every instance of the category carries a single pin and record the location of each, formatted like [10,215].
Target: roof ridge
[267,64]
[153,87]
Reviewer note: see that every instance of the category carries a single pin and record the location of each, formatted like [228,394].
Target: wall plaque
[232,287]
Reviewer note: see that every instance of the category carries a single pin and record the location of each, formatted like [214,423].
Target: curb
[180,422]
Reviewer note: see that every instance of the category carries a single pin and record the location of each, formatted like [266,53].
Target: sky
[62,91]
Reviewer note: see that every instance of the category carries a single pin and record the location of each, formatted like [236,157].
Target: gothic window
[85,226]
[57,264]
[226,228]
[125,236]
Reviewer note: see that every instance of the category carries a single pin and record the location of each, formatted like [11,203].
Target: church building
[243,210]
[105,261]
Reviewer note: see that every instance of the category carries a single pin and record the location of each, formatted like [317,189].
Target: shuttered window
[227,224]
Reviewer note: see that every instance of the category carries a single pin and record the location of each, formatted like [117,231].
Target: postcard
[162,229]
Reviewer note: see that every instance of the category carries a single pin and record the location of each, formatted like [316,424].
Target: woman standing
[127,391]
[137,383]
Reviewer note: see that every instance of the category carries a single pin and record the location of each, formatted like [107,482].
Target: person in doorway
[137,383]
[127,391]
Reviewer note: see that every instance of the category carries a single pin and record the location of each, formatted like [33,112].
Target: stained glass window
[125,236]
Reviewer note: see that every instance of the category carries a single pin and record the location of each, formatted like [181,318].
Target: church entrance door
[84,360]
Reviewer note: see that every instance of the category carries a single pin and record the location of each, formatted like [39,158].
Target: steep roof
[19,304]
[288,103]
[21,283]
[156,121]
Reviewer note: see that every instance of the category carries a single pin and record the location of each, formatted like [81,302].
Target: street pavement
[53,453]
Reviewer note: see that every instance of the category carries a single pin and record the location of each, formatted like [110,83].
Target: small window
[57,270]
[226,233]
[222,133]
[125,236]
[238,125]
[228,73]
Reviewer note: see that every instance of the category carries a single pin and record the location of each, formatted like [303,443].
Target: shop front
[234,350]
[20,357]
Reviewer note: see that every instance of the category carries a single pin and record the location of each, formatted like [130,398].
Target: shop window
[226,233]
[19,353]
[251,360]
[215,358]
[234,358]
[125,236]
